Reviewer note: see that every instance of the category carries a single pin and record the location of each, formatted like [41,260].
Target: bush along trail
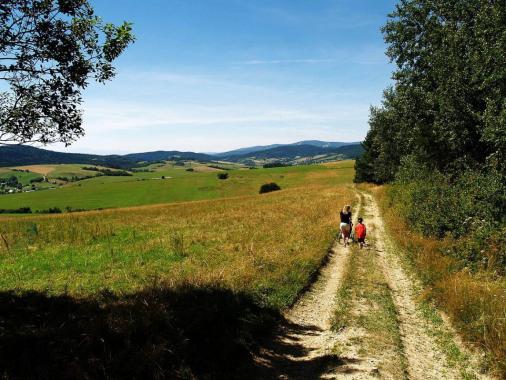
[363,318]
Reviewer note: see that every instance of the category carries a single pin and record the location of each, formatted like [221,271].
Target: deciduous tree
[49,51]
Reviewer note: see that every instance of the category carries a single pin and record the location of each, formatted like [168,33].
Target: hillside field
[179,185]
[101,290]
[231,240]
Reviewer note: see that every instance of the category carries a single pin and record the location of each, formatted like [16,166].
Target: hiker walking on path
[346,224]
[360,232]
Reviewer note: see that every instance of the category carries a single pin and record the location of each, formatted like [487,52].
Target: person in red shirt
[360,232]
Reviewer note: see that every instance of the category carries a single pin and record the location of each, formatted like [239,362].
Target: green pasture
[179,185]
[23,177]
[71,170]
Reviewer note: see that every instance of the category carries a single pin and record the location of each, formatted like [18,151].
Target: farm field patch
[179,185]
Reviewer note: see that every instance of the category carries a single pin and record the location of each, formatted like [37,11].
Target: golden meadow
[267,245]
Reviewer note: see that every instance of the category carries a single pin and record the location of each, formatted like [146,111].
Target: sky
[215,75]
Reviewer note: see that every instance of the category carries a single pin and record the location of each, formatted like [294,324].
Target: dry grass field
[268,244]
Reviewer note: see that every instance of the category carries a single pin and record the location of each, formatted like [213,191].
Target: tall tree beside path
[447,107]
[49,51]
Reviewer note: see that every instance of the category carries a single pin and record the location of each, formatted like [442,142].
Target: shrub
[189,170]
[51,210]
[72,209]
[21,210]
[222,175]
[108,172]
[438,205]
[268,187]
[91,168]
[468,207]
[115,173]
[275,165]
[11,181]
[38,179]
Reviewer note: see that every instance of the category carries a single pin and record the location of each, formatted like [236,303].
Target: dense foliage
[16,155]
[468,208]
[440,133]
[49,50]
[21,210]
[448,104]
[269,187]
[108,172]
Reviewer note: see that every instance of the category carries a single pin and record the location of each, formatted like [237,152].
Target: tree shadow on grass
[184,333]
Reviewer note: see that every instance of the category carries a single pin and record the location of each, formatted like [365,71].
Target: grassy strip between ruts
[162,291]
[475,302]
[367,317]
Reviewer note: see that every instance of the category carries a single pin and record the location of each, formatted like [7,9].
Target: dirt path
[424,358]
[308,345]
[303,346]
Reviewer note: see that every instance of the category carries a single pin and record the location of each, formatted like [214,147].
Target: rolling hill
[293,154]
[161,155]
[17,155]
[253,149]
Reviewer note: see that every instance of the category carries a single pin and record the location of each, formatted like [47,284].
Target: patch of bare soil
[40,169]
[302,348]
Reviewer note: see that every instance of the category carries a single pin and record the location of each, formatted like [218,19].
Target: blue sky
[213,75]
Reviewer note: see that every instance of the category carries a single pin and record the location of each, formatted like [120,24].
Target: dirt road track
[304,345]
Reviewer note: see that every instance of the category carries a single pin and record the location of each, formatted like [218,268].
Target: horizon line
[48,147]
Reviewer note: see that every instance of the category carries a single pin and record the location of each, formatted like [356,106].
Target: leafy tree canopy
[49,50]
[447,107]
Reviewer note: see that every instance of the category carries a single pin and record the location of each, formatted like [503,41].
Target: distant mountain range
[316,143]
[304,151]
[293,151]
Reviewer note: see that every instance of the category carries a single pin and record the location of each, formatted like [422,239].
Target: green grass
[22,177]
[269,244]
[148,188]
[71,170]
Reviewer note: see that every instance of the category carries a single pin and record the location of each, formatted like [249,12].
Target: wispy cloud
[286,61]
[363,55]
[127,116]
[122,127]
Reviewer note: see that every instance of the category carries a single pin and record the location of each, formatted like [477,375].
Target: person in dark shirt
[346,223]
